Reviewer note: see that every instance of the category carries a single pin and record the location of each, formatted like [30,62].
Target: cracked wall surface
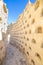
[3,28]
[27,33]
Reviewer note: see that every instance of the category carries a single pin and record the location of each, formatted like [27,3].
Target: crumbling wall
[27,33]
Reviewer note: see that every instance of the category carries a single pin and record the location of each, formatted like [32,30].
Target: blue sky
[15,8]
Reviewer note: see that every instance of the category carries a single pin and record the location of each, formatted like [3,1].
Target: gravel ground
[14,56]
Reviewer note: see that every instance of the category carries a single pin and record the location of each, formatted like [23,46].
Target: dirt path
[14,56]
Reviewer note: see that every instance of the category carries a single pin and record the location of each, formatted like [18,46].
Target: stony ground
[14,56]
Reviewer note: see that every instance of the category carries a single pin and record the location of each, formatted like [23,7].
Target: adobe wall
[27,33]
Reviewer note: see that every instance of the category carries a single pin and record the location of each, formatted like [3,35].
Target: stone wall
[27,33]
[3,28]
